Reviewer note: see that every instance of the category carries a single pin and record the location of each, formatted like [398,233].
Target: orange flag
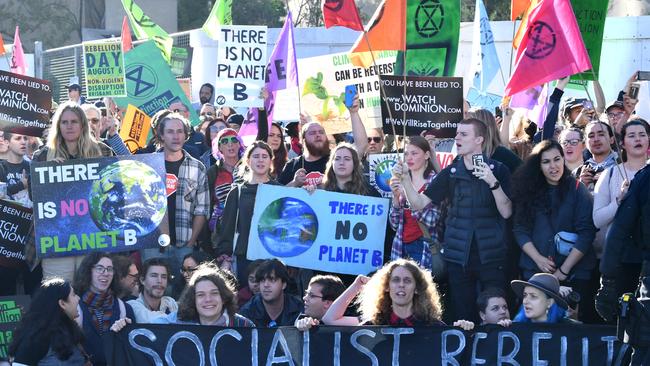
[523,27]
[386,32]
[517,8]
[2,46]
[127,42]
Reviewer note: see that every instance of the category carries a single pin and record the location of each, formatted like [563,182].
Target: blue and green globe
[383,173]
[128,195]
[287,227]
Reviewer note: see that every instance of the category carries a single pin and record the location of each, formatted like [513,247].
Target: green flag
[221,14]
[590,15]
[145,28]
[432,32]
[150,84]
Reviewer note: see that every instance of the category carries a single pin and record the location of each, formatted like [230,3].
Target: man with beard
[206,95]
[152,303]
[311,164]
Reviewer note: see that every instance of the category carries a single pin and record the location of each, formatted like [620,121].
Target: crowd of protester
[519,219]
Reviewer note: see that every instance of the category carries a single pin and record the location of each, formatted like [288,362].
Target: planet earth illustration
[287,227]
[128,195]
[383,174]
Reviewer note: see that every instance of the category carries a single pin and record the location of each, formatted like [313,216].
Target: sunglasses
[228,140]
[376,140]
[572,142]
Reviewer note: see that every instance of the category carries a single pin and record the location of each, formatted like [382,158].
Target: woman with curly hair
[48,333]
[553,222]
[70,138]
[399,294]
[209,299]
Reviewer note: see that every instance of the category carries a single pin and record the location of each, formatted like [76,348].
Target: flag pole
[381,85]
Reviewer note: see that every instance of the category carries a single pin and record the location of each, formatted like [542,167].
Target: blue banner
[327,231]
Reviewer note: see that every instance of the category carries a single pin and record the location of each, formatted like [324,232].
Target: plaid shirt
[192,197]
[428,216]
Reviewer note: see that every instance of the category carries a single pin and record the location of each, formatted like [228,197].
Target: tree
[54,23]
[193,13]
[259,12]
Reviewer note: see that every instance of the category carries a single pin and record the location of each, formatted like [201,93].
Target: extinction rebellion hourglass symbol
[542,40]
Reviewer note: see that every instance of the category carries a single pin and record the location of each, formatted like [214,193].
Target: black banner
[12,309]
[15,226]
[520,344]
[25,104]
[421,104]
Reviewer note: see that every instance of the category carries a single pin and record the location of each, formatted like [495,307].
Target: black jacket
[254,310]
[473,215]
[631,225]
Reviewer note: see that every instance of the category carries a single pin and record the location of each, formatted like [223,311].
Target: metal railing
[58,65]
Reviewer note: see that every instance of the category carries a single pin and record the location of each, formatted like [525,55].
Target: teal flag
[432,32]
[150,84]
[590,15]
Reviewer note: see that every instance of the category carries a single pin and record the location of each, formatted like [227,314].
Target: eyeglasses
[312,296]
[178,110]
[615,114]
[572,142]
[376,140]
[101,269]
[209,114]
[134,276]
[228,140]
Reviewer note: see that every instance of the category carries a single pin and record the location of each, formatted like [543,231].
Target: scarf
[100,307]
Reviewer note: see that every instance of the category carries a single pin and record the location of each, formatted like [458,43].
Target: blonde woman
[70,138]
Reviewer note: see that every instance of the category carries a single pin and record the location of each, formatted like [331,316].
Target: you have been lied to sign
[111,204]
[325,231]
[419,104]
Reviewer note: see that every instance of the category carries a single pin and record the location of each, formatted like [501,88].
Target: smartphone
[498,112]
[634,90]
[103,110]
[587,104]
[350,93]
[643,75]
[477,160]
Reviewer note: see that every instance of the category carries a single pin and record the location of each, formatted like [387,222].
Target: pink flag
[551,49]
[127,42]
[248,130]
[18,64]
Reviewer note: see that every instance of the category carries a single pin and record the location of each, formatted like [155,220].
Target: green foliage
[314,86]
[259,12]
[497,9]
[51,22]
[193,13]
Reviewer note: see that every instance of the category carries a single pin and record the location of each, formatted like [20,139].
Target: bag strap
[234,234]
[122,309]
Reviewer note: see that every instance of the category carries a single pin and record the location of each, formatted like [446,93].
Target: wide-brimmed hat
[572,102]
[545,282]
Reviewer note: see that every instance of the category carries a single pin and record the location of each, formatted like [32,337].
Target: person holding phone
[553,224]
[479,204]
